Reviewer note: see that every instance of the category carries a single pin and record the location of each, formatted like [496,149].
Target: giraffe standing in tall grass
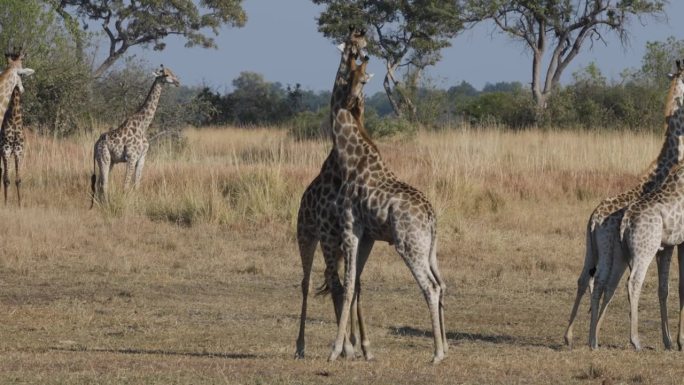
[604,256]
[128,143]
[317,217]
[377,206]
[12,143]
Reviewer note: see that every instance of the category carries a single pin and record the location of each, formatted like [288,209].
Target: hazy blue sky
[281,42]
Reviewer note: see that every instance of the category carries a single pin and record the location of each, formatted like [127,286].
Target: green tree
[659,60]
[56,95]
[558,29]
[129,23]
[406,34]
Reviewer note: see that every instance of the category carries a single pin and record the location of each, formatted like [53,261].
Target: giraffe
[602,235]
[316,219]
[128,143]
[10,78]
[12,143]
[377,206]
[651,227]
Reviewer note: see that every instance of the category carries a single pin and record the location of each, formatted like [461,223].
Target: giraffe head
[675,97]
[15,69]
[354,45]
[358,77]
[164,75]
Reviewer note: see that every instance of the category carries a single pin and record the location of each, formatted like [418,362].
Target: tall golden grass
[230,176]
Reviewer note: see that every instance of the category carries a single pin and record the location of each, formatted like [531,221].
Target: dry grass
[195,277]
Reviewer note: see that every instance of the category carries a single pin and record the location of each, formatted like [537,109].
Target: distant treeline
[590,101]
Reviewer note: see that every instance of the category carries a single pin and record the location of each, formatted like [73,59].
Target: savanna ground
[195,277]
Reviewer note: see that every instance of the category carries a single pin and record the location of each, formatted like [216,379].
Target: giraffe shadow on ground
[161,352]
[458,337]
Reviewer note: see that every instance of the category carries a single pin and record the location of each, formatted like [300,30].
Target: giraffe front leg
[103,184]
[350,244]
[365,248]
[130,170]
[139,167]
[17,166]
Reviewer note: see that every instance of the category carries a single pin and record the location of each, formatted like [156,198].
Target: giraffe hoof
[437,359]
[333,356]
[299,355]
[369,357]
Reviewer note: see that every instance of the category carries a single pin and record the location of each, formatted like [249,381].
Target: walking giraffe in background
[12,143]
[317,218]
[128,143]
[651,227]
[377,206]
[604,256]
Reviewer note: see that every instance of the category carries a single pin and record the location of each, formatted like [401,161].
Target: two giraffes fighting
[353,202]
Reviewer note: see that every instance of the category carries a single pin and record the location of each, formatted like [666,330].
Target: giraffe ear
[341,47]
[370,76]
[25,72]
[670,76]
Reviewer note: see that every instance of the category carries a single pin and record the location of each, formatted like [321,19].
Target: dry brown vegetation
[195,277]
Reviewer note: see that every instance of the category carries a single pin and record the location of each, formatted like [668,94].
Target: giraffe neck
[671,154]
[339,92]
[9,80]
[13,116]
[149,106]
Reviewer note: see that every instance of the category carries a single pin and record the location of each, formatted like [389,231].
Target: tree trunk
[388,91]
[106,64]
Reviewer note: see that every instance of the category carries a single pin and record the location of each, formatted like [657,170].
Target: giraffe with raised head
[128,143]
[651,227]
[605,261]
[10,78]
[12,143]
[316,219]
[377,206]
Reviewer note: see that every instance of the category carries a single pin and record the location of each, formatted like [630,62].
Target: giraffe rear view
[12,143]
[128,143]
[651,227]
[604,260]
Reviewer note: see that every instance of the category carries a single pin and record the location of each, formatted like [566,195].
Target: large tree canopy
[406,34]
[558,29]
[127,23]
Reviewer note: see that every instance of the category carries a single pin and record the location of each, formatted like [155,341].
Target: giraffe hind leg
[584,281]
[5,175]
[17,166]
[307,248]
[418,261]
